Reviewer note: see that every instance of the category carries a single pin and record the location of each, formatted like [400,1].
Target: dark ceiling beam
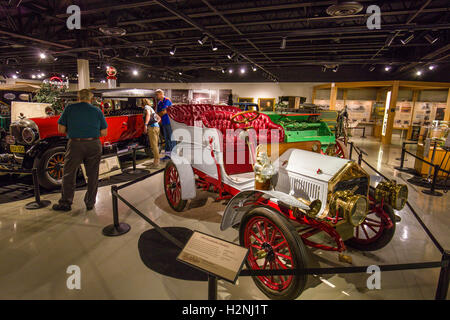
[410,20]
[232,26]
[430,56]
[188,20]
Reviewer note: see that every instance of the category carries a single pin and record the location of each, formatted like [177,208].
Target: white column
[84,81]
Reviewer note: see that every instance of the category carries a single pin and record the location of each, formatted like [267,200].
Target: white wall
[243,89]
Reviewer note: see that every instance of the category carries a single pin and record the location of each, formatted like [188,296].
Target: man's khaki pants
[153,137]
[78,152]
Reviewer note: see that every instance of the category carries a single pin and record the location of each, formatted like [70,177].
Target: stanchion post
[117,228]
[432,191]
[134,158]
[351,150]
[360,158]
[38,203]
[212,287]
[444,277]
[364,133]
[402,157]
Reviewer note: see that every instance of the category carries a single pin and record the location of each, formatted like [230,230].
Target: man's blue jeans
[167,134]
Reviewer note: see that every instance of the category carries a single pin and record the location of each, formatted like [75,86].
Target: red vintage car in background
[36,143]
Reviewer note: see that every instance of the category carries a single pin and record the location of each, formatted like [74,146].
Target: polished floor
[37,247]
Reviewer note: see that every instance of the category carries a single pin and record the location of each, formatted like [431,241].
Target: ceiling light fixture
[407,40]
[231,56]
[203,39]
[43,56]
[387,68]
[135,72]
[419,73]
[372,68]
[173,50]
[214,46]
[254,68]
[283,43]
[432,67]
[431,39]
[389,40]
[243,70]
[336,68]
[230,71]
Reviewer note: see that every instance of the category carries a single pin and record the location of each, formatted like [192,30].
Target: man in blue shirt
[166,128]
[83,124]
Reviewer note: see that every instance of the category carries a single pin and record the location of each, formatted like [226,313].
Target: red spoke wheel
[273,244]
[172,188]
[340,150]
[377,229]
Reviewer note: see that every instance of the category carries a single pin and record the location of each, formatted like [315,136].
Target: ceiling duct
[345,8]
[112,30]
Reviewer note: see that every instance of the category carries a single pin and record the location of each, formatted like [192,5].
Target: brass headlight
[314,208]
[358,208]
[28,135]
[391,192]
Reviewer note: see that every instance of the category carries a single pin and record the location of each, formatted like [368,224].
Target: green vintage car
[306,124]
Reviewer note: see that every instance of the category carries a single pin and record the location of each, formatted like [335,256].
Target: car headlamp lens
[28,135]
[358,212]
[314,208]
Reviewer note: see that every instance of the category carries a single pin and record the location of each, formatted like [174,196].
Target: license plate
[17,149]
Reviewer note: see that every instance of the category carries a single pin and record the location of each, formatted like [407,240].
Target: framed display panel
[359,110]
[180,96]
[224,95]
[243,100]
[204,96]
[403,114]
[266,104]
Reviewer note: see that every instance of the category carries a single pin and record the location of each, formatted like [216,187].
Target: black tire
[297,249]
[176,204]
[46,179]
[385,237]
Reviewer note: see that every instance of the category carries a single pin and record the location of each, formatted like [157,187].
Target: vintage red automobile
[36,143]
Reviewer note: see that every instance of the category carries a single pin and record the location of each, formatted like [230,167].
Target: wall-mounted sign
[58,82]
[111,73]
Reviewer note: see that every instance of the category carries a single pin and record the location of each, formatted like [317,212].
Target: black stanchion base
[37,205]
[432,193]
[136,172]
[112,231]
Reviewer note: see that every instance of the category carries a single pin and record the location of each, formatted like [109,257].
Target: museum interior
[224,150]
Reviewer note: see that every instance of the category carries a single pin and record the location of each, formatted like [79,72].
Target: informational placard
[213,255]
[108,167]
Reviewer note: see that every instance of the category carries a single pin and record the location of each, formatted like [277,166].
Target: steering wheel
[245,119]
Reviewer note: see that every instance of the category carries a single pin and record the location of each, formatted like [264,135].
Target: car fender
[187,178]
[244,201]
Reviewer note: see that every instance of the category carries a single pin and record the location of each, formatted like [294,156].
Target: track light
[254,68]
[231,56]
[230,71]
[135,72]
[431,39]
[33,76]
[389,40]
[243,70]
[335,69]
[387,68]
[203,39]
[324,69]
[419,73]
[372,68]
[283,43]
[223,70]
[407,40]
[173,50]
[43,56]
[214,46]
[432,67]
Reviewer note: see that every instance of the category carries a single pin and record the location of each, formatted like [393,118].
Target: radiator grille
[310,188]
[16,132]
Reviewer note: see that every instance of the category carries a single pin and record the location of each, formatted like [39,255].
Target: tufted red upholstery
[219,117]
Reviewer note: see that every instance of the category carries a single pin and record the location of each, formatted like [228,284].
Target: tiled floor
[36,247]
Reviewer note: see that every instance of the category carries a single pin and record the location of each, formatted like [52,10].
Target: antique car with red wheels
[282,197]
[36,143]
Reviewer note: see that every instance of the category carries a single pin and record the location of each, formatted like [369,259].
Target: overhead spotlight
[203,39]
[135,72]
[324,69]
[408,39]
[230,71]
[372,68]
[214,47]
[42,74]
[254,68]
[231,56]
[14,76]
[173,50]
[283,43]
[432,67]
[43,56]
[180,73]
[419,73]
[146,52]
[387,68]
[431,39]
[33,76]
[243,70]
[223,70]
[335,69]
